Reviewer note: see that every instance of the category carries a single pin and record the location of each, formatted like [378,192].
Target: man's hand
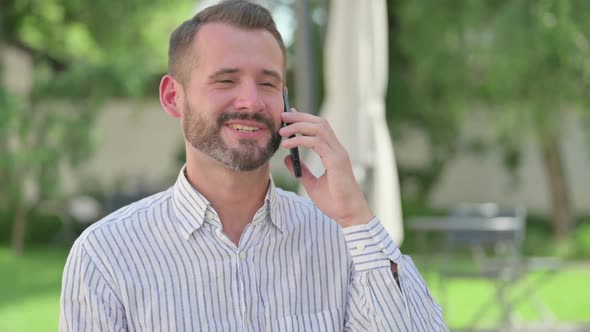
[336,192]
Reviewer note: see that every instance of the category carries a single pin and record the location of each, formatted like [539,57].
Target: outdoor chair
[494,248]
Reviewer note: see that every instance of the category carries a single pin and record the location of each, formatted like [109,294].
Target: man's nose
[248,98]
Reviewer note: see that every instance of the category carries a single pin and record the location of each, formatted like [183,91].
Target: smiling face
[233,97]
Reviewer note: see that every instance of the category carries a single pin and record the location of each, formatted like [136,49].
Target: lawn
[566,295]
[29,289]
[30,286]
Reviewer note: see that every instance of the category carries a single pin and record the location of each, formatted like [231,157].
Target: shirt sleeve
[375,301]
[88,300]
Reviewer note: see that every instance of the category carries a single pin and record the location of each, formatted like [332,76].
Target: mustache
[257,117]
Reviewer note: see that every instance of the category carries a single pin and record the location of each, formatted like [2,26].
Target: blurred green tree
[526,63]
[82,52]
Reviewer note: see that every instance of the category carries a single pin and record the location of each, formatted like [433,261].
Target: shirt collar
[191,206]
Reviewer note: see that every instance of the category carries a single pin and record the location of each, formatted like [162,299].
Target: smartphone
[294,151]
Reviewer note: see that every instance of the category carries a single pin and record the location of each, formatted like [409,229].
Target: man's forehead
[226,47]
[222,33]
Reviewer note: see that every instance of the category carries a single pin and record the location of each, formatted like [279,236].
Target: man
[224,249]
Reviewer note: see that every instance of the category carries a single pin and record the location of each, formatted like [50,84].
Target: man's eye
[268,84]
[225,81]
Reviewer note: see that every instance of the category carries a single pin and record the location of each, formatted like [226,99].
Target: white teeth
[244,128]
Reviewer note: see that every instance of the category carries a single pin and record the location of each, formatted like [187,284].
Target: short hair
[239,13]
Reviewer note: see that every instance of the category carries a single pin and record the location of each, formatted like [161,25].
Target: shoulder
[139,214]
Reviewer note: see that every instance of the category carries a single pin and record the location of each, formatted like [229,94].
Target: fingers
[309,125]
[317,134]
[331,158]
[297,117]
[315,143]
[309,129]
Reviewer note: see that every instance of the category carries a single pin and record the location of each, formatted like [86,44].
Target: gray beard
[207,139]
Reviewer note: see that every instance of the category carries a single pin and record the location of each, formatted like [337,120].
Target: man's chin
[246,167]
[252,161]
[253,169]
[242,159]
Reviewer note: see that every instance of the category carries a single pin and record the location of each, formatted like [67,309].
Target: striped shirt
[164,264]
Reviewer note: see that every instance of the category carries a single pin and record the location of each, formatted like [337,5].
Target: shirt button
[247,321]
[361,246]
[242,255]
[210,215]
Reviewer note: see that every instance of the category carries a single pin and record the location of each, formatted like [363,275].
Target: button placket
[241,276]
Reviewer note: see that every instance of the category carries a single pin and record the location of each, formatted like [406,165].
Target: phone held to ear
[294,151]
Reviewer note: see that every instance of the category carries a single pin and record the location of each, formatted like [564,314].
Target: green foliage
[10,114]
[523,63]
[539,242]
[582,238]
[513,55]
[43,229]
[82,52]
[93,48]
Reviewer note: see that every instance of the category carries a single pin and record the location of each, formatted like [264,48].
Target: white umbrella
[356,72]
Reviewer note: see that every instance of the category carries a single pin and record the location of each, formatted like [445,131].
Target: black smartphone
[295,150]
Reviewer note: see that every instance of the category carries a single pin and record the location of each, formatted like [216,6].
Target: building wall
[136,150]
[482,177]
[139,142]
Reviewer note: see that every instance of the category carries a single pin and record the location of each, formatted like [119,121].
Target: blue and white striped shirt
[164,264]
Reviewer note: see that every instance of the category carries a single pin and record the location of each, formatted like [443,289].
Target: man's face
[233,98]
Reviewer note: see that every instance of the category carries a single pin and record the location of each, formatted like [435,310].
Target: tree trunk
[558,189]
[18,230]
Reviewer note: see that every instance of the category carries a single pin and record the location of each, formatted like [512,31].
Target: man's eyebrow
[265,72]
[223,71]
[272,73]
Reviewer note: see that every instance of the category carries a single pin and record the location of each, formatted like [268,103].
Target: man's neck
[235,196]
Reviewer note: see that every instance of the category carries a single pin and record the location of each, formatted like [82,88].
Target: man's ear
[171,96]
